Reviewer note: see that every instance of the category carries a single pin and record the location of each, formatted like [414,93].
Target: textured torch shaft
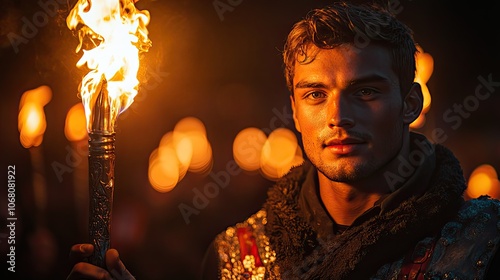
[101,186]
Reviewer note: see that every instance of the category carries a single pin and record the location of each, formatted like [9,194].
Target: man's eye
[316,95]
[366,93]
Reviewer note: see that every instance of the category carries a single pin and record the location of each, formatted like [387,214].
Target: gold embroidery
[230,265]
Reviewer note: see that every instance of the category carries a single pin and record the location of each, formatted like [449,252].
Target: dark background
[226,71]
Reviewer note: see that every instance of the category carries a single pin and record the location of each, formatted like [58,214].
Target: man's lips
[344,141]
[343,146]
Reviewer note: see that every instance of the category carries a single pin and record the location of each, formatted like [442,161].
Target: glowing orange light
[31,118]
[274,156]
[40,95]
[247,148]
[163,170]
[483,181]
[75,128]
[184,149]
[279,153]
[192,133]
[425,67]
[116,33]
[190,124]
[176,149]
[33,123]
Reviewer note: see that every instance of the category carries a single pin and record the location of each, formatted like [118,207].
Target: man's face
[348,107]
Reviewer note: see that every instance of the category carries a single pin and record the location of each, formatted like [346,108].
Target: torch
[101,176]
[115,33]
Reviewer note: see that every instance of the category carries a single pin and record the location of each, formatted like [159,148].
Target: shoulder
[479,206]
[244,249]
[469,242]
[254,224]
[477,222]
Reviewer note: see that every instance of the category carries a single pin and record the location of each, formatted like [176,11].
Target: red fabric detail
[415,265]
[248,245]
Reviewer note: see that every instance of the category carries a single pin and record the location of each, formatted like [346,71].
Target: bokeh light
[192,134]
[184,149]
[483,181]
[425,67]
[75,128]
[163,170]
[274,155]
[247,148]
[31,118]
[278,153]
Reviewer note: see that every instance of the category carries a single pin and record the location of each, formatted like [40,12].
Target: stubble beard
[345,172]
[348,170]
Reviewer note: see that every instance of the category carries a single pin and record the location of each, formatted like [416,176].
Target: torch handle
[101,186]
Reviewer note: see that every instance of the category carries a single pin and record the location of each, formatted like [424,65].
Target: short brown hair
[343,23]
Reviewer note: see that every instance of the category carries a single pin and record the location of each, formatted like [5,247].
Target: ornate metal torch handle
[101,186]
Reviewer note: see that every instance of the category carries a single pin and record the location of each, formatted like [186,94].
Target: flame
[425,67]
[31,118]
[74,128]
[116,32]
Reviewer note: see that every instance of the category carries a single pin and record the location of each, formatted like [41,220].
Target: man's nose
[340,112]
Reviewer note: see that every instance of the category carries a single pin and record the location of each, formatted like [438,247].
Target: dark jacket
[424,228]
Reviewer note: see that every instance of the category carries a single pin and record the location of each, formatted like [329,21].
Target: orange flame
[31,118]
[117,34]
[74,128]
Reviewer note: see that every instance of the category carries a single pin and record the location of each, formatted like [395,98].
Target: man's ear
[294,112]
[413,104]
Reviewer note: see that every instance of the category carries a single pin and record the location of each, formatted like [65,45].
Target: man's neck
[346,203]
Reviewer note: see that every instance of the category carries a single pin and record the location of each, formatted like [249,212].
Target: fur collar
[359,251]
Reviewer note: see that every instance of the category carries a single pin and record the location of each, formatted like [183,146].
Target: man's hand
[82,270]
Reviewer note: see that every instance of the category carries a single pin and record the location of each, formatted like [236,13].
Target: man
[373,200]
